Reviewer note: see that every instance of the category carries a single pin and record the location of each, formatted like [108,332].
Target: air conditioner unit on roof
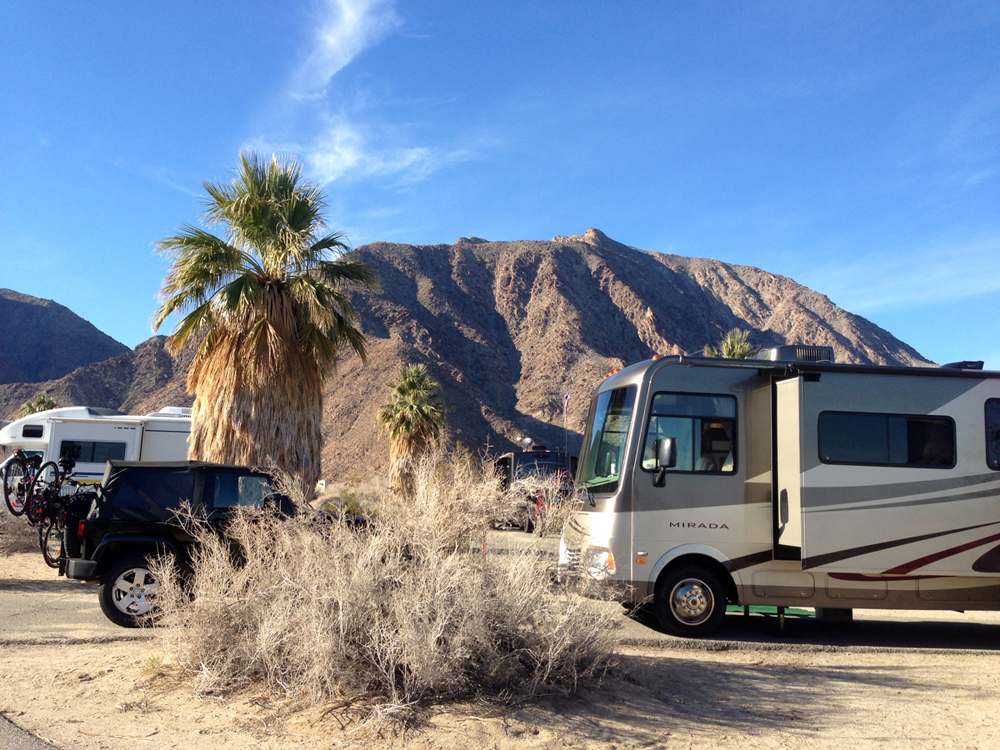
[797,353]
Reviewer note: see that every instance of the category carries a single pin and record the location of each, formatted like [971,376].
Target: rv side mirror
[666,458]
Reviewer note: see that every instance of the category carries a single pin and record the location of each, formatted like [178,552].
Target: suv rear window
[158,488]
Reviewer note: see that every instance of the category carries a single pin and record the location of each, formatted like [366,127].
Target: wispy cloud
[343,152]
[345,29]
[941,272]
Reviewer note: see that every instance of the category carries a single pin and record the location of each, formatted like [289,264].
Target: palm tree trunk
[264,417]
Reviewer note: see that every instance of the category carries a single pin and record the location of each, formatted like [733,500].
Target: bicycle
[51,509]
[19,472]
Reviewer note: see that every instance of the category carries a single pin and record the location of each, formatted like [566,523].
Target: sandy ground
[78,682]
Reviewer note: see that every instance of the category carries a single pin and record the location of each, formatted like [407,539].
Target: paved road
[37,607]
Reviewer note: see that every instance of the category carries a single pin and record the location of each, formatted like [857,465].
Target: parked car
[134,518]
[526,470]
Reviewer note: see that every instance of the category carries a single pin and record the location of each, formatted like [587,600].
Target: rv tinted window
[607,436]
[993,433]
[703,426]
[32,431]
[91,451]
[886,440]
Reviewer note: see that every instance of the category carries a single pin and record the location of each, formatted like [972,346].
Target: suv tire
[128,591]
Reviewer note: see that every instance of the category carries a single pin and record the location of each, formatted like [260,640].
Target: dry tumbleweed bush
[404,610]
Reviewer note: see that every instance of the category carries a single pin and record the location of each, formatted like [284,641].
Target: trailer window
[92,451]
[704,427]
[606,438]
[886,440]
[993,433]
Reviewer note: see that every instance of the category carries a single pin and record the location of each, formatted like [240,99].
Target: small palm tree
[267,307]
[734,345]
[413,417]
[42,402]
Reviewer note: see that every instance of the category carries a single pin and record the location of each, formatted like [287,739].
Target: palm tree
[267,308]
[413,416]
[734,345]
[42,402]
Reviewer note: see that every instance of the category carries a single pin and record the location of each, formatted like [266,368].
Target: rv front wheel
[690,601]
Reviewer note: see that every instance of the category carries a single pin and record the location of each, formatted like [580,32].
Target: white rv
[790,483]
[92,437]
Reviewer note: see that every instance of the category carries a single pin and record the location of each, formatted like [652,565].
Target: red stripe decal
[928,559]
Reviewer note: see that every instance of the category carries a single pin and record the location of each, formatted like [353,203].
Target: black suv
[134,519]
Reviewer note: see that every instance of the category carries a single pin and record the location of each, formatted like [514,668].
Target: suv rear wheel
[128,591]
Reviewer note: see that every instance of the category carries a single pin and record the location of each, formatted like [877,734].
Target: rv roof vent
[797,353]
[100,411]
[966,365]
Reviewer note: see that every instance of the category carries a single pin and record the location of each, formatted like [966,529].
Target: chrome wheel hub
[691,601]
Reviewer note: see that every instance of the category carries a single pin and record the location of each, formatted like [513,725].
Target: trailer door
[788,466]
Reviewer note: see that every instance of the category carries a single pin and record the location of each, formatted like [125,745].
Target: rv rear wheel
[690,601]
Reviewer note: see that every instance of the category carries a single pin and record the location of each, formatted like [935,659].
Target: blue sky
[852,146]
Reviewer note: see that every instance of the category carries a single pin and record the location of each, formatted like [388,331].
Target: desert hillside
[508,328]
[69,340]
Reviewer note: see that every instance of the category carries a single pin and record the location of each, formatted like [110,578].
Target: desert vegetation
[734,345]
[266,305]
[15,535]
[384,618]
[413,417]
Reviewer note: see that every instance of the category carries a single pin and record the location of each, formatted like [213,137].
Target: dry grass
[385,618]
[556,503]
[15,534]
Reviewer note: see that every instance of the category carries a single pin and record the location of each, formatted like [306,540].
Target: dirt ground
[88,689]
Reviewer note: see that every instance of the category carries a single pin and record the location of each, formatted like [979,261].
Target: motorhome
[790,480]
[92,437]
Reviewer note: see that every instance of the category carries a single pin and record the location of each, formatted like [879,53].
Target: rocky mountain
[509,328]
[69,340]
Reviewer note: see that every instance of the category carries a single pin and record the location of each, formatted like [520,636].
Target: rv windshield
[605,440]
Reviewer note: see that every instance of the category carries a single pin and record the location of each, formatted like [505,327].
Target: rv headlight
[600,563]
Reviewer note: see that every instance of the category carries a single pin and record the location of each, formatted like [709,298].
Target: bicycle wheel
[15,486]
[50,539]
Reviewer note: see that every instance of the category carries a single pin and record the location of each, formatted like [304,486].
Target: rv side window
[993,433]
[92,451]
[32,431]
[704,427]
[886,440]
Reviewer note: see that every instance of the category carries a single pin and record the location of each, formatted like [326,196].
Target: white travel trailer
[92,437]
[791,483]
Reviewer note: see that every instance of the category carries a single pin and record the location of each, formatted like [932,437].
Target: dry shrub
[557,502]
[15,534]
[401,612]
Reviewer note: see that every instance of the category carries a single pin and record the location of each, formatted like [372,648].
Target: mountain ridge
[509,329]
